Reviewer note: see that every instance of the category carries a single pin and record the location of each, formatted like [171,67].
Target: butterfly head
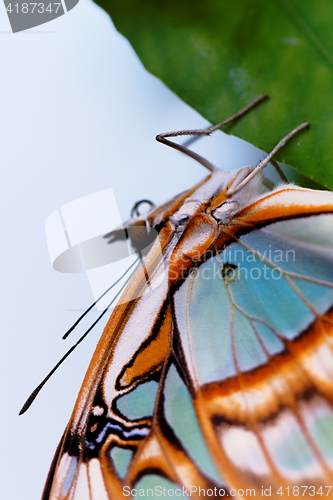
[225,205]
[214,200]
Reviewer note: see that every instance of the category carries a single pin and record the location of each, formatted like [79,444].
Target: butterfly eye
[183,221]
[225,208]
[180,223]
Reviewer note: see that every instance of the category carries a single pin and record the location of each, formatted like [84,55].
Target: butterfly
[213,376]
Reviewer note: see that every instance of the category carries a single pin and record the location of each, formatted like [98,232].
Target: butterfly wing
[214,380]
[255,334]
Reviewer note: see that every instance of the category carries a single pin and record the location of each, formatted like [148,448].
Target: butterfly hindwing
[255,326]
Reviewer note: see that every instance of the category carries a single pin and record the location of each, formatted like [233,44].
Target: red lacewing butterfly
[213,376]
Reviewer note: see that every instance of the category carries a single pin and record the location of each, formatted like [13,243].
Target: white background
[78,115]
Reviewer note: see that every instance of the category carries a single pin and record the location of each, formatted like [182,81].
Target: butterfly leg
[205,131]
[135,210]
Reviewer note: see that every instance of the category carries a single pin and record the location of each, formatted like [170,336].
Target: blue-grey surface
[78,115]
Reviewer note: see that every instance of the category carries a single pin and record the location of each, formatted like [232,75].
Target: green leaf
[218,55]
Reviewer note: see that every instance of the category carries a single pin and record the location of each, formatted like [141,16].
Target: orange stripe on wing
[299,365]
[280,205]
[285,204]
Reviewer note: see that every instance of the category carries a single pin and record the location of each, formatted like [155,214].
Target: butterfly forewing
[218,375]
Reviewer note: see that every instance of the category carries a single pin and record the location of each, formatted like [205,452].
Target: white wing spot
[97,411]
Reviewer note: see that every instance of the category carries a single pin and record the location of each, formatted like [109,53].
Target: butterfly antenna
[263,163]
[205,131]
[96,301]
[34,394]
